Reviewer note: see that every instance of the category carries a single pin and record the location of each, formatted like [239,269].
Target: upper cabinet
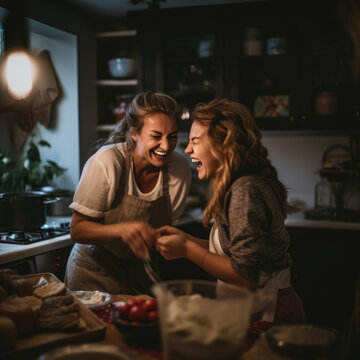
[291,65]
[117,74]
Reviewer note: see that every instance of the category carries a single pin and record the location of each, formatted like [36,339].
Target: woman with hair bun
[130,186]
[248,242]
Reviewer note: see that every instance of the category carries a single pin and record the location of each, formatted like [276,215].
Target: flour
[204,328]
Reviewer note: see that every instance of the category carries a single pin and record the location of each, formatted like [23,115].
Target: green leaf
[44,143]
[33,153]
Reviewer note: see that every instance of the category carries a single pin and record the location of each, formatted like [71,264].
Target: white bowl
[122,67]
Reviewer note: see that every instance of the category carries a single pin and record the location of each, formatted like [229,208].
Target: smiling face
[200,151]
[156,140]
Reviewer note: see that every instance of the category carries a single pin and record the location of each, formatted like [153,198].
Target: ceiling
[114,8]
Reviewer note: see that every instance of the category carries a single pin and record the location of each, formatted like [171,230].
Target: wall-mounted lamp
[18,68]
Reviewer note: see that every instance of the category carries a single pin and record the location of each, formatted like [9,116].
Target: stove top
[29,237]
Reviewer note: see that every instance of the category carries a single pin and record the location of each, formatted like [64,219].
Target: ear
[133,133]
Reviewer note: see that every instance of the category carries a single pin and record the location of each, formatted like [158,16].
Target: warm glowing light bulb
[19,71]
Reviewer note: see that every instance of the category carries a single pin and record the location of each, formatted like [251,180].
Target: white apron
[265,297]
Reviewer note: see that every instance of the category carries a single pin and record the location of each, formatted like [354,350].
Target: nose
[165,145]
[188,149]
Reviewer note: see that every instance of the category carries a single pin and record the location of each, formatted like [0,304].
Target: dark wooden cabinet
[324,273]
[112,91]
[311,77]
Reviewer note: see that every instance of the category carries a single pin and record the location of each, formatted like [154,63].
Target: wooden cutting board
[43,341]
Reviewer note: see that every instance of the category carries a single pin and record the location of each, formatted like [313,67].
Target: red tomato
[123,311]
[153,316]
[137,313]
[135,302]
[150,304]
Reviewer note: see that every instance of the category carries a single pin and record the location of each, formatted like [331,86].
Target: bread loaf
[51,289]
[58,312]
[19,286]
[7,333]
[21,313]
[33,301]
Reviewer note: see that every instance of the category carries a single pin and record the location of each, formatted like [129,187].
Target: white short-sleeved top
[100,181]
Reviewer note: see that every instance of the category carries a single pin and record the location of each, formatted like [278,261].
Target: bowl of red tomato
[138,321]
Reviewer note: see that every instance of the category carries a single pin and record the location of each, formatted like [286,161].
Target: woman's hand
[171,242]
[139,236]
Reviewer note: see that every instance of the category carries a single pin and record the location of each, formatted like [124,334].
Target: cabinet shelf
[121,33]
[112,82]
[106,127]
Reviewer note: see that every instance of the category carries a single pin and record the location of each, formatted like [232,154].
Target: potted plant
[29,172]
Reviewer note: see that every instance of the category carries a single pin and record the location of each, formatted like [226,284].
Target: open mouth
[198,162]
[160,154]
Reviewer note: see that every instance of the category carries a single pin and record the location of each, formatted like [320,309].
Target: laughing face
[156,140]
[199,149]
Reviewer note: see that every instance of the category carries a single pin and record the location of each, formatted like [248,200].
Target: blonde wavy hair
[237,145]
[143,104]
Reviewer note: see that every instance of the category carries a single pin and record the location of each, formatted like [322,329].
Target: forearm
[92,232]
[202,242]
[218,266]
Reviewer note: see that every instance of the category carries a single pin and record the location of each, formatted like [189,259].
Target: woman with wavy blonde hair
[248,242]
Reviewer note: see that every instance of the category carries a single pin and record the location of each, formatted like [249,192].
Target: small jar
[323,195]
[325,103]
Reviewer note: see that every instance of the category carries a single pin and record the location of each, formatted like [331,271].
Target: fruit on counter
[7,333]
[139,311]
[21,313]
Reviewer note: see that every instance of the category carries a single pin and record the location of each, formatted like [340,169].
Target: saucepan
[23,211]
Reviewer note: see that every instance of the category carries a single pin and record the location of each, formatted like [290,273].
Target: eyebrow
[195,138]
[160,133]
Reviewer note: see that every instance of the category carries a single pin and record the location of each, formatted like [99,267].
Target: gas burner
[28,237]
[17,236]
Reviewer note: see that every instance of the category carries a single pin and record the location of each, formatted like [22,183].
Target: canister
[325,103]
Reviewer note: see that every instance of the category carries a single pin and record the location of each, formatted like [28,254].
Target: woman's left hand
[171,242]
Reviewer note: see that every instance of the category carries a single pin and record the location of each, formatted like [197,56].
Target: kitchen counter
[293,220]
[13,252]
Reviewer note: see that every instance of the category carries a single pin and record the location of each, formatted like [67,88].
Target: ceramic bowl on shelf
[122,67]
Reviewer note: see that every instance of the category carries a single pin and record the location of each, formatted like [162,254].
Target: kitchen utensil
[24,210]
[201,319]
[122,67]
[150,271]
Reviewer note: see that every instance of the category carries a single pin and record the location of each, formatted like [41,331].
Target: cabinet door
[190,71]
[329,92]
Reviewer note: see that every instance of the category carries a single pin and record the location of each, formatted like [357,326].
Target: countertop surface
[14,252]
[293,220]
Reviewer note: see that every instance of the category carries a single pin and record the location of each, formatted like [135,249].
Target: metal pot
[61,207]
[23,211]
